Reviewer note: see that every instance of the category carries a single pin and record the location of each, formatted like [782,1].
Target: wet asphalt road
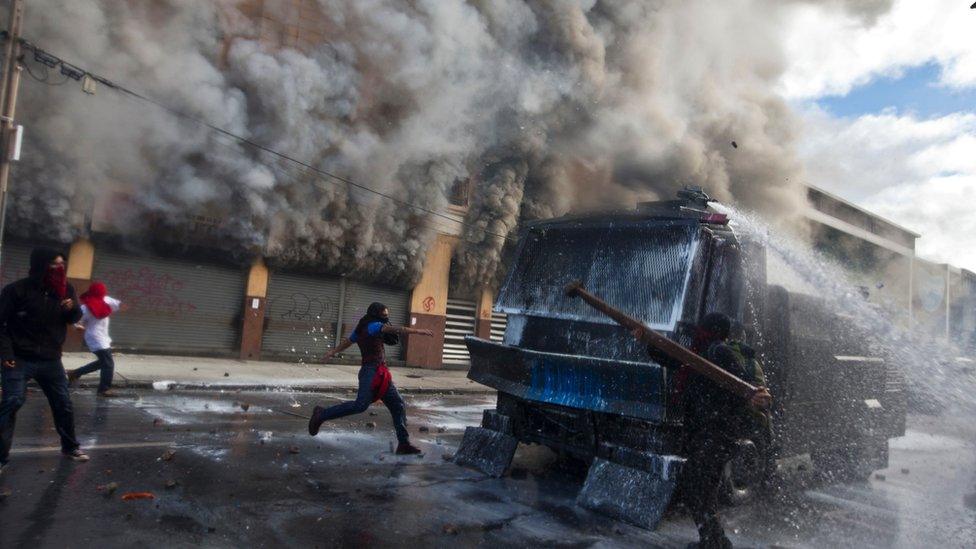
[255,478]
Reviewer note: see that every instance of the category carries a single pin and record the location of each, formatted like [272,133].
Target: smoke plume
[546,105]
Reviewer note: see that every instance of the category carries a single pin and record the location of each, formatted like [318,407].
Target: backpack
[752,366]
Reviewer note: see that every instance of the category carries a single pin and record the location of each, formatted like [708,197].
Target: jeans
[106,364]
[364,397]
[50,376]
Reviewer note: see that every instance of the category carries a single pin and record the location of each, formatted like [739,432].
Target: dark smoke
[548,105]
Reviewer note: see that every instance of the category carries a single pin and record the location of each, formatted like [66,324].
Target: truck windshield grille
[642,269]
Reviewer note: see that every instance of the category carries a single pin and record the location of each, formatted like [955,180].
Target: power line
[77,73]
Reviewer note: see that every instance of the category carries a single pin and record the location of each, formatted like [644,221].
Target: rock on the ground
[424,429]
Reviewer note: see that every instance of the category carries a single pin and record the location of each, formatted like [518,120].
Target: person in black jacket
[34,315]
[713,421]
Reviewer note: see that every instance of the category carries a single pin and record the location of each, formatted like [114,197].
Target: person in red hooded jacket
[96,308]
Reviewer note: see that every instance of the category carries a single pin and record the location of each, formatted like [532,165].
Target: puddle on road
[178,410]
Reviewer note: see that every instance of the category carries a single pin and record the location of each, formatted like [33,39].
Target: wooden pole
[674,350]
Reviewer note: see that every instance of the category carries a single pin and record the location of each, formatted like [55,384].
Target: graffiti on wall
[148,291]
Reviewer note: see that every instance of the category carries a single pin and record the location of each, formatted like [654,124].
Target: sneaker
[407,449]
[77,455]
[107,393]
[73,377]
[315,422]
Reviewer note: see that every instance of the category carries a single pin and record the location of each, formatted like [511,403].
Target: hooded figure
[34,315]
[94,299]
[96,308]
[372,332]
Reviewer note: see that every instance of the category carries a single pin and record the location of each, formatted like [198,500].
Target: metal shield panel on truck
[14,262]
[301,316]
[176,305]
[358,297]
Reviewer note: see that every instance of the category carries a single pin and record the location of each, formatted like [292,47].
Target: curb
[215,386]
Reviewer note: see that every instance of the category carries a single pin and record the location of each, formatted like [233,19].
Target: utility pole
[9,83]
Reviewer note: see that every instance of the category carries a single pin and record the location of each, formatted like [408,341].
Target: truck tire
[743,474]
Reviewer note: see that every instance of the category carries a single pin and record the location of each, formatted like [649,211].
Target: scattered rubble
[107,489]
[245,406]
[131,496]
[168,455]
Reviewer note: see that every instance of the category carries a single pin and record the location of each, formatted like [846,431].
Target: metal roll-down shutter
[301,315]
[175,305]
[14,263]
[461,321]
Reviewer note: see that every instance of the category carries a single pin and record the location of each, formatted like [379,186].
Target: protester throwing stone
[96,308]
[34,315]
[375,382]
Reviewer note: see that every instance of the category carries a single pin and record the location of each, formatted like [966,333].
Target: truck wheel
[742,474]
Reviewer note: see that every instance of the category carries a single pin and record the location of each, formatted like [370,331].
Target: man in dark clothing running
[375,382]
[714,419]
[34,314]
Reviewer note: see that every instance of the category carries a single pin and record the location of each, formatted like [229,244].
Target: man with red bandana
[375,382]
[34,315]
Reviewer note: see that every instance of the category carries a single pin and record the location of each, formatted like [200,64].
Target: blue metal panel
[618,387]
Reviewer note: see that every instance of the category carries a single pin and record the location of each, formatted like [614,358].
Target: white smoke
[548,105]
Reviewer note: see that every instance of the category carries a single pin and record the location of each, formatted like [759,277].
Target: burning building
[424,133]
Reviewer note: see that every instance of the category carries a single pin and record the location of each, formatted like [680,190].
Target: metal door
[14,263]
[461,321]
[175,305]
[300,315]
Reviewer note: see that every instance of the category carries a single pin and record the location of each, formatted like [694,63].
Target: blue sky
[888,107]
[915,90]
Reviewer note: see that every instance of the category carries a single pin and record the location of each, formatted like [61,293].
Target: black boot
[315,421]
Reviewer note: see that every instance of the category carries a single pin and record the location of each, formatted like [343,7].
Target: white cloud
[918,173]
[830,51]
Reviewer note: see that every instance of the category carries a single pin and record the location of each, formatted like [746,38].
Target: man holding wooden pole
[717,399]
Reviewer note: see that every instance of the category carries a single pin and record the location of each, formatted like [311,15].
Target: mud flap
[637,496]
[486,450]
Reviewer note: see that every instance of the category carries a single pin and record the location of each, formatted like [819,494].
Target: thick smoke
[547,105]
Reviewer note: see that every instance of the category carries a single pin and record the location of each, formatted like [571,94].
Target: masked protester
[96,308]
[34,315]
[713,421]
[375,382]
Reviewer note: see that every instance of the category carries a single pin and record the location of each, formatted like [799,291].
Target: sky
[889,115]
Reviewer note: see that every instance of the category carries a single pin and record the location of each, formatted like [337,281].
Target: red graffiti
[146,291]
[428,304]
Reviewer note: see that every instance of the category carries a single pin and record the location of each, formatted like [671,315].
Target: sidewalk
[162,372]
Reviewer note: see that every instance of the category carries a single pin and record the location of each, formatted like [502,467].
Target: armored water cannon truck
[570,378]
